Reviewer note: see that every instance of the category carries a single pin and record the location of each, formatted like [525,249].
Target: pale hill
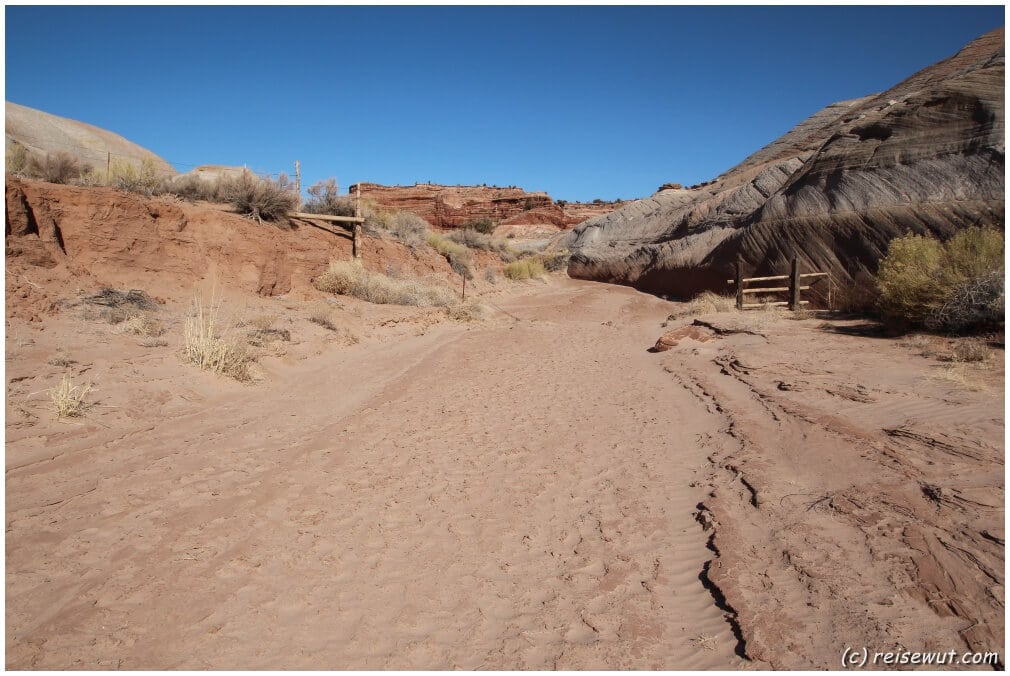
[43,133]
[925,156]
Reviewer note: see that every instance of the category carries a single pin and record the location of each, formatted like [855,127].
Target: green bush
[485,226]
[259,198]
[955,286]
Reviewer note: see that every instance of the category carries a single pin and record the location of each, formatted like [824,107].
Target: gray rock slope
[42,133]
[925,156]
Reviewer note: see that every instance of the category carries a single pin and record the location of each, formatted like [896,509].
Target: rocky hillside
[925,156]
[43,133]
[452,206]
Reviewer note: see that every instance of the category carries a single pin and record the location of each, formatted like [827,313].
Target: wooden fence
[352,223]
[794,289]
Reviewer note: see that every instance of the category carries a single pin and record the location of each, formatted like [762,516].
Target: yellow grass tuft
[351,279]
[141,325]
[209,344]
[68,399]
[527,268]
[705,303]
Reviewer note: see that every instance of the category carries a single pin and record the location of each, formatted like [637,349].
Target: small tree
[325,199]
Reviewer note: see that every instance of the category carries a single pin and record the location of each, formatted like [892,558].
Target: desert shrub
[557,260]
[351,279]
[142,178]
[409,228]
[971,350]
[974,304]
[210,345]
[956,286]
[142,325]
[466,312]
[705,303]
[323,320]
[16,160]
[192,187]
[325,199]
[460,258]
[55,167]
[484,226]
[68,399]
[260,198]
[527,268]
[473,239]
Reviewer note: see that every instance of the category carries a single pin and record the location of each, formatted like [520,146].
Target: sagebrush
[262,199]
[955,286]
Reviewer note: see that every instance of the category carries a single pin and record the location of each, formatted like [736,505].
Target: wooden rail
[794,288]
[352,223]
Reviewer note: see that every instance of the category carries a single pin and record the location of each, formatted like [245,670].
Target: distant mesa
[925,156]
[453,206]
[43,133]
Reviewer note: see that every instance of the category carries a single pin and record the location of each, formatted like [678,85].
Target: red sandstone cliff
[452,206]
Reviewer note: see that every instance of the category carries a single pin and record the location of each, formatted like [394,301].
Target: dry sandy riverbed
[535,490]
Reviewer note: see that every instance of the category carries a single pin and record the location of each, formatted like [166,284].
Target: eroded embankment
[855,501]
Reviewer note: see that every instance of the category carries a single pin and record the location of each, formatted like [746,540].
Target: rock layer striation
[925,156]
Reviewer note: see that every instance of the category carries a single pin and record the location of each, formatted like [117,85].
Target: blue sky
[583,102]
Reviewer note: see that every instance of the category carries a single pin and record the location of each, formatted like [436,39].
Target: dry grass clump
[959,374]
[262,199]
[527,268]
[347,278]
[956,286]
[466,312]
[705,303]
[68,399]
[323,320]
[61,360]
[142,325]
[210,345]
[971,350]
[16,160]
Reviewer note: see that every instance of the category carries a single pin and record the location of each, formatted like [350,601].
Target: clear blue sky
[583,102]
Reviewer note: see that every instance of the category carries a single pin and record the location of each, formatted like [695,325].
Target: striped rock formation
[925,156]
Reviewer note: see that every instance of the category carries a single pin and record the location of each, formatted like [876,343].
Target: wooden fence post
[298,183]
[356,245]
[739,283]
[794,285]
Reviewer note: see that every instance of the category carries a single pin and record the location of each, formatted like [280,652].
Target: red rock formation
[91,236]
[453,206]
